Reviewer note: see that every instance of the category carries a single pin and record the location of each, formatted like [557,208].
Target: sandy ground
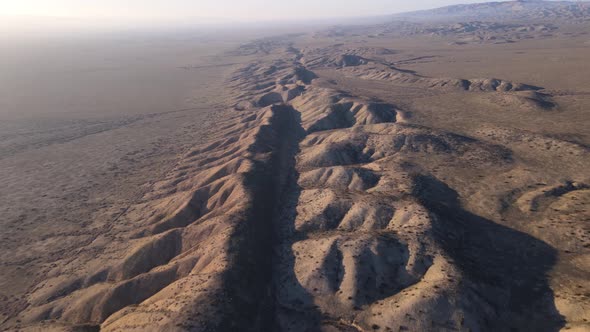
[87,133]
[348,179]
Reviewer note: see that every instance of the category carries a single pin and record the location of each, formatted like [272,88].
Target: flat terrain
[424,174]
[86,128]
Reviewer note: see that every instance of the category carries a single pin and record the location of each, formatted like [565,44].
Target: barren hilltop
[429,172]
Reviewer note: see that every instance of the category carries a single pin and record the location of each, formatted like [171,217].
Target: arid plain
[429,172]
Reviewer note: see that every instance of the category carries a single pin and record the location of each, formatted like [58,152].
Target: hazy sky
[240,10]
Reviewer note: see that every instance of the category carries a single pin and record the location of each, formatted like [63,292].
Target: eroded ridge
[318,209]
[171,272]
[370,238]
[375,64]
[367,245]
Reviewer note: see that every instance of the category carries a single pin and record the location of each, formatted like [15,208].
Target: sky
[211,10]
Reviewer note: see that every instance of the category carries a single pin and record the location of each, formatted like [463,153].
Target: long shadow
[294,309]
[506,269]
[264,231]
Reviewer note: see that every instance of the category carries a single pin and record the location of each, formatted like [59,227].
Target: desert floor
[338,180]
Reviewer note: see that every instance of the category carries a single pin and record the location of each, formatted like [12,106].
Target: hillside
[509,10]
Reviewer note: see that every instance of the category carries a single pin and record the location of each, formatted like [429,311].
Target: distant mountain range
[509,10]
